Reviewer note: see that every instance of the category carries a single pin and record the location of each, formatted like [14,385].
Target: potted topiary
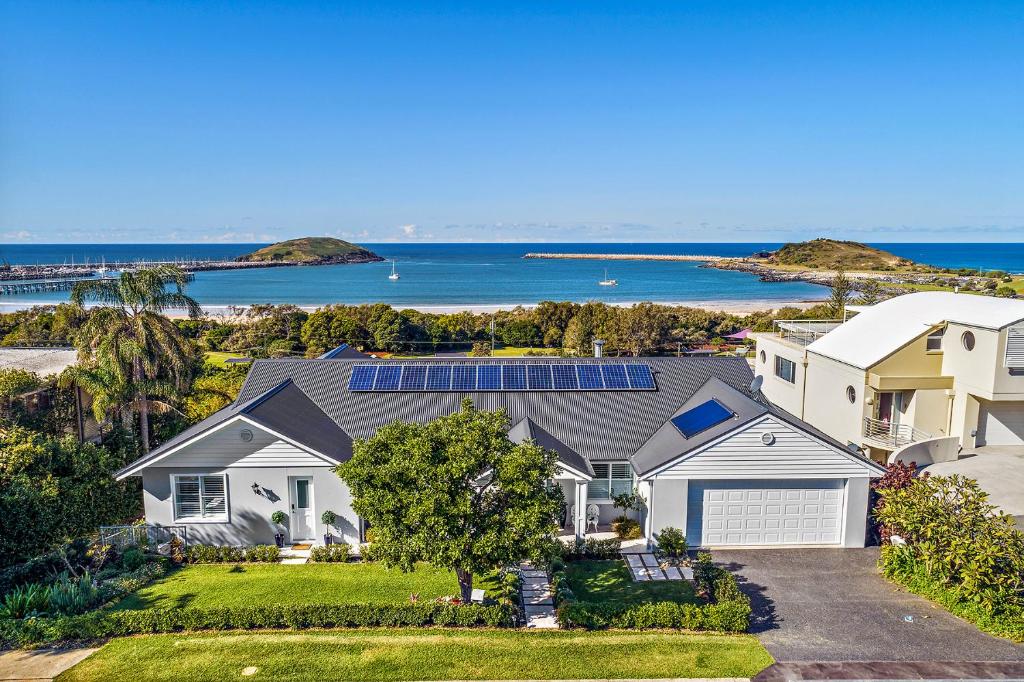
[329,518]
[278,518]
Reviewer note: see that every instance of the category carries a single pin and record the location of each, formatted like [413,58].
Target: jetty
[632,256]
[62,271]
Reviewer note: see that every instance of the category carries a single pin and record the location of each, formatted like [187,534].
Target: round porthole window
[764,358]
[851,394]
[767,438]
[245,435]
[968,340]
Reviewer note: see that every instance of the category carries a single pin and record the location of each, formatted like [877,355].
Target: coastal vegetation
[832,254]
[312,251]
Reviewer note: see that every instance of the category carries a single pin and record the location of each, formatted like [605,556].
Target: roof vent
[245,435]
[598,348]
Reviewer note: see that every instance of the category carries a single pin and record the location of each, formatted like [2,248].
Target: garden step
[649,560]
[534,573]
[672,573]
[538,600]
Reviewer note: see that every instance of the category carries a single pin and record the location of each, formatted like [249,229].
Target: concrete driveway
[832,605]
[998,469]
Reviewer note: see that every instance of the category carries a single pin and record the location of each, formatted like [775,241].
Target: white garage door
[1001,424]
[800,512]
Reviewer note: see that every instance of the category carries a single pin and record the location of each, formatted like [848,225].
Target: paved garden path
[645,567]
[538,602]
[39,664]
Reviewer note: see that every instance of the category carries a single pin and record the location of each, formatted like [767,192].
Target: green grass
[610,582]
[214,585]
[434,654]
[217,358]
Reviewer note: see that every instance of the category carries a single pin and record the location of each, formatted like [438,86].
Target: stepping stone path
[290,555]
[645,567]
[538,602]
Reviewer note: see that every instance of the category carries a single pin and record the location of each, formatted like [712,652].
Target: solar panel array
[504,377]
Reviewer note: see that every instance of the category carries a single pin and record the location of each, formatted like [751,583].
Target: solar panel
[464,378]
[488,378]
[701,418]
[564,377]
[590,377]
[362,378]
[640,376]
[439,378]
[539,377]
[513,377]
[614,376]
[533,376]
[413,377]
[387,378]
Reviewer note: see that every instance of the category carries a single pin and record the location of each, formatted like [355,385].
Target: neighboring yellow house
[910,369]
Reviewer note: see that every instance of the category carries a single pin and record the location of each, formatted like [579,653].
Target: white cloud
[408,230]
[230,237]
[19,235]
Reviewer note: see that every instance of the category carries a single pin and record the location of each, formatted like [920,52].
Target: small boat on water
[608,282]
[394,275]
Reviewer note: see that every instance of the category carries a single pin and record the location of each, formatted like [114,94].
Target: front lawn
[388,654]
[214,585]
[610,582]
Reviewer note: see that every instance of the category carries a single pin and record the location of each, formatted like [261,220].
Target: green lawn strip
[435,654]
[217,358]
[218,585]
[609,582]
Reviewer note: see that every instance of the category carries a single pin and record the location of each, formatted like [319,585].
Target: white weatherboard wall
[742,457]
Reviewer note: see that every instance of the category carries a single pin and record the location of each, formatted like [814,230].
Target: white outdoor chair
[593,515]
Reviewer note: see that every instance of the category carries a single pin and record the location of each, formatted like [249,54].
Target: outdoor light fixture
[256,489]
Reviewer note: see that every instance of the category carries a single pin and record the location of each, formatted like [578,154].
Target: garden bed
[610,582]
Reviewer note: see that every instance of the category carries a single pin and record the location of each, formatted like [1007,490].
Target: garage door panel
[803,512]
[1001,423]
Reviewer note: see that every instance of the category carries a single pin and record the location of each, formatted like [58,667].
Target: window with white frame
[785,369]
[200,497]
[615,478]
[934,341]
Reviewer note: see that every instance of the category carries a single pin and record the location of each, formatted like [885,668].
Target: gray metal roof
[599,425]
[526,429]
[668,443]
[344,351]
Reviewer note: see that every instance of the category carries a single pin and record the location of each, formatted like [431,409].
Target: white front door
[303,526]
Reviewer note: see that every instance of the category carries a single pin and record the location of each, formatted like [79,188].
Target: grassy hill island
[311,251]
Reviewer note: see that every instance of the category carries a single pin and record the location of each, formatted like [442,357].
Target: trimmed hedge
[220,554]
[107,623]
[590,548]
[729,610]
[336,553]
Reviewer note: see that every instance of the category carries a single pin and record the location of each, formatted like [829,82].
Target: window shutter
[1014,357]
[214,498]
[622,471]
[186,497]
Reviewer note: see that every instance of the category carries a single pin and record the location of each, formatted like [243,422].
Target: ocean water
[445,275]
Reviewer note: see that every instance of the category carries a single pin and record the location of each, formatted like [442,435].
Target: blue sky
[447,121]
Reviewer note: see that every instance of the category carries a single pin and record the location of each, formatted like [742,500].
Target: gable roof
[283,409]
[526,429]
[598,425]
[878,331]
[668,443]
[343,351]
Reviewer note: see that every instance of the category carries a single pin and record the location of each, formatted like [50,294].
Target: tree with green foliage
[870,293]
[130,351]
[53,490]
[454,492]
[642,328]
[592,320]
[841,292]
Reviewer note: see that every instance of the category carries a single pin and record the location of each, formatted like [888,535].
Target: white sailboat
[608,282]
[394,275]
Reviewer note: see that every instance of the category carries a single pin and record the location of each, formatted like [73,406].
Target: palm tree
[129,349]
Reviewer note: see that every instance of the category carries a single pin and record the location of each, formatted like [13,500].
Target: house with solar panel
[692,435]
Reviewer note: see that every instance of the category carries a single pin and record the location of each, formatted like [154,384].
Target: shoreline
[729,306]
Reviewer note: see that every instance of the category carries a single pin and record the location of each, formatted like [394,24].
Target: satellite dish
[755,385]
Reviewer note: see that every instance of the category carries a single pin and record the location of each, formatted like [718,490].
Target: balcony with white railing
[804,332]
[884,434]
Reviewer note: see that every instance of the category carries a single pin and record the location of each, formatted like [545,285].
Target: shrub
[704,573]
[70,597]
[329,518]
[105,623]
[672,542]
[132,559]
[626,528]
[336,553]
[219,554]
[25,600]
[590,548]
[956,538]
[278,518]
